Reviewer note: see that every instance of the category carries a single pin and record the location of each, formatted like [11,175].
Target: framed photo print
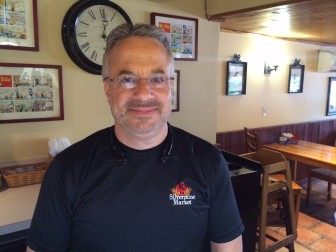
[331,99]
[176,92]
[18,25]
[236,78]
[30,93]
[182,33]
[295,82]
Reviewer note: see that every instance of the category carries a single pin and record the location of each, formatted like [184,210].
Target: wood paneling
[312,21]
[323,132]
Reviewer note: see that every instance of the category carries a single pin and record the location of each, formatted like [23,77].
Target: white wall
[205,109]
[85,107]
[235,112]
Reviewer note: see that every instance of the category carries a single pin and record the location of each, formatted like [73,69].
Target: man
[142,184]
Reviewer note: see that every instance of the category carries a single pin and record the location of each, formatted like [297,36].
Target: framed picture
[18,25]
[176,92]
[182,32]
[295,82]
[30,93]
[331,100]
[236,78]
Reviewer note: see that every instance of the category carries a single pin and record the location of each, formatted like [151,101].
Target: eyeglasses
[130,81]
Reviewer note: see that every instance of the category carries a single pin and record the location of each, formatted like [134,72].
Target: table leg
[294,172]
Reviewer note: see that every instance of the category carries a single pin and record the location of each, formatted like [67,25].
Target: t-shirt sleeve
[225,223]
[50,227]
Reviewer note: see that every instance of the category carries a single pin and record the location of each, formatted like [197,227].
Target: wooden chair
[274,191]
[252,140]
[253,143]
[296,194]
[274,181]
[323,174]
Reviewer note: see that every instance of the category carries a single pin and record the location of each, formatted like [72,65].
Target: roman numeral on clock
[102,13]
[85,46]
[81,34]
[94,55]
[92,14]
[84,23]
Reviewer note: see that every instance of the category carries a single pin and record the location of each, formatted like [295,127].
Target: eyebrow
[125,72]
[158,71]
[155,71]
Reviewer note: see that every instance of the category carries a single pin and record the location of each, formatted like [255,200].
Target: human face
[143,109]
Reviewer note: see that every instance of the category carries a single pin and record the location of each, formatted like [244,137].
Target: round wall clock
[85,28]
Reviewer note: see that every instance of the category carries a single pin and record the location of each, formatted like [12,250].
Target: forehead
[139,53]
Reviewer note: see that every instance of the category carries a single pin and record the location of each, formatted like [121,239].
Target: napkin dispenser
[57,144]
[288,138]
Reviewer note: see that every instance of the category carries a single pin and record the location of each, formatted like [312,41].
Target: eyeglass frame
[137,81]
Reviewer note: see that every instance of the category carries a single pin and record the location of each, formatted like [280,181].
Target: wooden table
[314,154]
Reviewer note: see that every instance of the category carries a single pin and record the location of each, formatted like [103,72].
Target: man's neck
[141,141]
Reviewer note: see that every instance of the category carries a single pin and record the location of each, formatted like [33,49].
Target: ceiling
[306,21]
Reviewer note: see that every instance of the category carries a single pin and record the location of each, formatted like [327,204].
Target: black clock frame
[69,33]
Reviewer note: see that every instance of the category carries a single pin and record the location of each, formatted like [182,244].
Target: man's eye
[127,79]
[157,79]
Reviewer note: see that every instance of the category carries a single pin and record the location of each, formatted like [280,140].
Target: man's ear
[107,88]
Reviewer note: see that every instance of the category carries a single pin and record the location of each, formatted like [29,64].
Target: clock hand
[113,16]
[105,23]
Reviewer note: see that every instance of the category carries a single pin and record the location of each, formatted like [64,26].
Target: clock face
[91,29]
[85,28]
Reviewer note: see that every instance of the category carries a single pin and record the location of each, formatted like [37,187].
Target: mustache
[143,104]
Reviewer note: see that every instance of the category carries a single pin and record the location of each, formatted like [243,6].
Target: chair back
[252,140]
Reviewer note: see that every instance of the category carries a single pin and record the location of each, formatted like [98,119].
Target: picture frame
[296,76]
[176,92]
[183,34]
[236,78]
[30,93]
[19,25]
[331,99]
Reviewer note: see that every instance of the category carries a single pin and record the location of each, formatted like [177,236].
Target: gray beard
[138,127]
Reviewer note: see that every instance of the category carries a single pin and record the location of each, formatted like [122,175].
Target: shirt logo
[181,195]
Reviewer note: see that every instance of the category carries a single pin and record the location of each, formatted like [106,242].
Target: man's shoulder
[185,140]
[96,136]
[183,135]
[95,140]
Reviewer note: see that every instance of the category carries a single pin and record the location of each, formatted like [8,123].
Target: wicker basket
[25,178]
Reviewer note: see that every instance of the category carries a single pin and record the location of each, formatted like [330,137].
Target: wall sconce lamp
[268,69]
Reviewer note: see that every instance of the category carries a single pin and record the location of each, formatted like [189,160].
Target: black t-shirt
[99,195]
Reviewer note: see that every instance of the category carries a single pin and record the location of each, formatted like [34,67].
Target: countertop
[17,207]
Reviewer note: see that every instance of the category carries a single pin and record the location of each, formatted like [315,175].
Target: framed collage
[30,93]
[18,25]
[183,33]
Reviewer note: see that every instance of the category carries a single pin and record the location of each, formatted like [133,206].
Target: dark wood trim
[323,132]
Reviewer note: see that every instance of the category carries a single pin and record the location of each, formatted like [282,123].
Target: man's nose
[143,89]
